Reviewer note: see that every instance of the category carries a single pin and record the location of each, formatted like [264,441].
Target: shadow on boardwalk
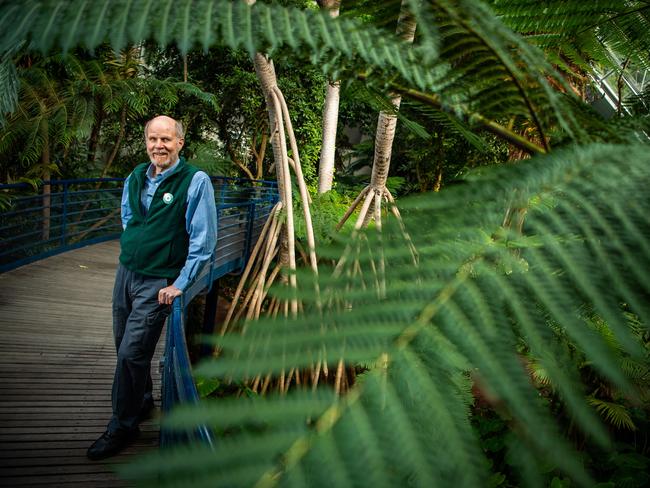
[56,369]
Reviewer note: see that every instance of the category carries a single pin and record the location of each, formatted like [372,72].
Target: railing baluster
[249,232]
[64,224]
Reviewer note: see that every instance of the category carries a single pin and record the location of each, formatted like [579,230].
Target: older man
[169,221]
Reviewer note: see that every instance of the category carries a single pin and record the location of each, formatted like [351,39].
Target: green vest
[156,244]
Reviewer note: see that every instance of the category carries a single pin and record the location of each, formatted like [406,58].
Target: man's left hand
[166,295]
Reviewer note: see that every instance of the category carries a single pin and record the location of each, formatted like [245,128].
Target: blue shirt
[200,218]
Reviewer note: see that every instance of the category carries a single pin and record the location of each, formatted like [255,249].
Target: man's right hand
[166,295]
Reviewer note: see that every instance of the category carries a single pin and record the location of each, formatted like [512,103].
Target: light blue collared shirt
[200,218]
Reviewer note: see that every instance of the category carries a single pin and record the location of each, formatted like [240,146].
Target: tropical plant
[373,195]
[439,327]
[425,332]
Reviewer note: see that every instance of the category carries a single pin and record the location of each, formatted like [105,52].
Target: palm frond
[9,82]
[614,413]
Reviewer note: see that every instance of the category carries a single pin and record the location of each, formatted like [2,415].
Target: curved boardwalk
[56,368]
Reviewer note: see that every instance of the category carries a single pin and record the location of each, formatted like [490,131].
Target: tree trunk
[259,156]
[387,121]
[118,142]
[268,81]
[384,136]
[47,174]
[330,120]
[97,126]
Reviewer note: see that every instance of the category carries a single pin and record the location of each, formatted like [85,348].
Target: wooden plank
[57,359]
[78,451]
[68,444]
[72,479]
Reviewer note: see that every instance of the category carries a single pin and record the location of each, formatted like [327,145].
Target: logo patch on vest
[168,198]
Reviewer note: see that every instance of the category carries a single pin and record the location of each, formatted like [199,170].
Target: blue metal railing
[75,213]
[59,216]
[241,214]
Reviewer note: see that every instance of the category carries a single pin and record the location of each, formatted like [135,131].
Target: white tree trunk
[330,120]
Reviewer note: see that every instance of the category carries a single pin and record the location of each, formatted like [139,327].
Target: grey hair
[180,132]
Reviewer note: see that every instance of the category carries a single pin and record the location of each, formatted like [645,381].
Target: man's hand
[166,295]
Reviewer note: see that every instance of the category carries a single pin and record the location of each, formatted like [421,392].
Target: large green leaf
[468,58]
[438,327]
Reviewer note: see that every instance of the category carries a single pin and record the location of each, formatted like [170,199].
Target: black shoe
[146,412]
[110,443]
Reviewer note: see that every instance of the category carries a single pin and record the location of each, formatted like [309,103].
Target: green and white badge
[168,198]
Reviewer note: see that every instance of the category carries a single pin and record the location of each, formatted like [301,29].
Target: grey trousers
[138,320]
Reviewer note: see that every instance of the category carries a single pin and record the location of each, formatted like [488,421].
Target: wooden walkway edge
[56,369]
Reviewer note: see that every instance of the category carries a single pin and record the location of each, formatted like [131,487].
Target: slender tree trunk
[118,142]
[330,122]
[268,81]
[330,119]
[96,130]
[384,137]
[387,121]
[259,156]
[47,174]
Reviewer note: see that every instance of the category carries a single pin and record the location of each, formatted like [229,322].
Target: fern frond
[475,293]
[468,58]
[221,22]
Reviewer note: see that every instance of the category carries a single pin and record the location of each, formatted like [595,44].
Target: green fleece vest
[156,244]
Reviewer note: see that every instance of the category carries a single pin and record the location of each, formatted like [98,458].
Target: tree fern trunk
[386,124]
[384,136]
[387,121]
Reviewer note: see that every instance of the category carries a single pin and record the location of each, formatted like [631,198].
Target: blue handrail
[238,227]
[75,213]
[57,216]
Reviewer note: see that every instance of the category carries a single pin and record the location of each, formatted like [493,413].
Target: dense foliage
[498,338]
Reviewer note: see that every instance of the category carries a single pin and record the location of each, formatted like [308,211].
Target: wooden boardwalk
[56,369]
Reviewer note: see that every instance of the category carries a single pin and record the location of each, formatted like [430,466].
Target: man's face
[163,145]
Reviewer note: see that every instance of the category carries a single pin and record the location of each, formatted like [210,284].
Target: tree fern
[203,23]
[452,320]
[472,62]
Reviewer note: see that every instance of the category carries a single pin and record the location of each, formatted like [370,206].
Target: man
[170,229]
